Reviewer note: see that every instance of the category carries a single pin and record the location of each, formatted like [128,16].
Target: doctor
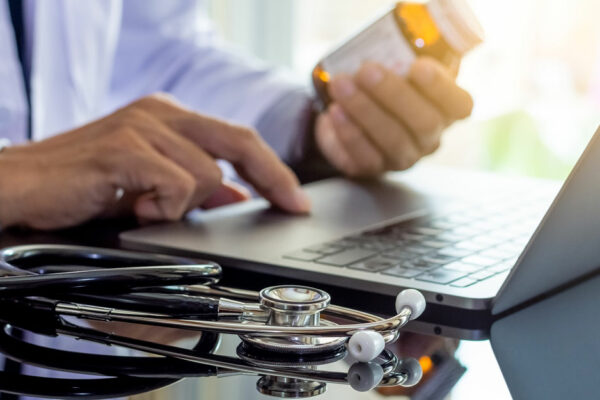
[66,63]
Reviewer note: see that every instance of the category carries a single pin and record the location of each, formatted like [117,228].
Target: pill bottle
[443,29]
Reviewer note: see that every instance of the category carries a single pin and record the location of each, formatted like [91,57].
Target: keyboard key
[438,259]
[419,264]
[441,276]
[479,260]
[418,249]
[373,264]
[488,240]
[501,267]
[481,275]
[462,267]
[377,246]
[399,255]
[470,245]
[449,237]
[436,244]
[402,272]
[466,231]
[346,257]
[464,282]
[505,234]
[454,252]
[325,249]
[303,255]
[496,254]
[343,243]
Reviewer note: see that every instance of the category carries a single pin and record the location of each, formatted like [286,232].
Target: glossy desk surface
[466,370]
[481,380]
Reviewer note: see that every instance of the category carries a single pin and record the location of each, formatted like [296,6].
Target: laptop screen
[566,244]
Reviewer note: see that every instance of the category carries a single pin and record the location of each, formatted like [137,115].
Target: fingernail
[338,114]
[342,87]
[423,73]
[370,74]
[301,200]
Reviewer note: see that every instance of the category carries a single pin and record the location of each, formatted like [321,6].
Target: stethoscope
[127,375]
[51,281]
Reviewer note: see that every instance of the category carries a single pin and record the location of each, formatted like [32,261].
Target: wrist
[313,165]
[7,189]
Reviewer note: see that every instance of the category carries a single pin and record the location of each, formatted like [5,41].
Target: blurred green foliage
[512,144]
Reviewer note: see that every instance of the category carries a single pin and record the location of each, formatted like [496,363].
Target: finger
[251,156]
[164,188]
[182,151]
[331,146]
[366,157]
[396,95]
[387,134]
[437,84]
[227,193]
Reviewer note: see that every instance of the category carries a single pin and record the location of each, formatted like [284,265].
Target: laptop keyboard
[458,248]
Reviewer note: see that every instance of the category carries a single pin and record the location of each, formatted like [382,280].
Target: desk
[482,378]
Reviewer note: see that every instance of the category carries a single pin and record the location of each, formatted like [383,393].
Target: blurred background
[535,80]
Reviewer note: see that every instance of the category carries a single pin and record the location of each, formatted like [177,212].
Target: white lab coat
[89,57]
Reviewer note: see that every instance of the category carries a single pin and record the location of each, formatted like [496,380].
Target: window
[535,80]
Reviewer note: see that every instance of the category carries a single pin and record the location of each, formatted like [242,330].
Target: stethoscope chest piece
[289,388]
[298,306]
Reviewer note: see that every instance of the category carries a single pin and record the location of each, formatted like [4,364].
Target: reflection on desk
[482,379]
[394,372]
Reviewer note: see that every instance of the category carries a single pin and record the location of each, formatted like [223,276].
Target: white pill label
[381,42]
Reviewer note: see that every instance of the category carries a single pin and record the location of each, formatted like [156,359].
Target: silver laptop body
[454,235]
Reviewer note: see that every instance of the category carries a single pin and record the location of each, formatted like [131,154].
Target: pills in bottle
[443,29]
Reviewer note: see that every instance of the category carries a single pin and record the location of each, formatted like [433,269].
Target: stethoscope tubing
[107,281]
[153,290]
[169,308]
[107,365]
[383,326]
[67,389]
[155,372]
[226,364]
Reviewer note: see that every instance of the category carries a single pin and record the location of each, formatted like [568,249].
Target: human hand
[159,156]
[380,121]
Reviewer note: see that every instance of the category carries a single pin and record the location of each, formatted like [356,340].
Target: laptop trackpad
[338,205]
[255,230]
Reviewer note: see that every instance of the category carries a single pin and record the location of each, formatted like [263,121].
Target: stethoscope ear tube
[37,315]
[109,365]
[104,388]
[109,280]
[112,271]
[173,305]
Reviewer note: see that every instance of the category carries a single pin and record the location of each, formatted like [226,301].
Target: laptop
[475,244]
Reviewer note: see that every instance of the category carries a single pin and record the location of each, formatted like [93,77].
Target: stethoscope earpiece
[282,322]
